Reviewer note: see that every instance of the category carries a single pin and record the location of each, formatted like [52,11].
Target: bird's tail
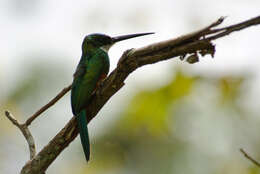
[83,131]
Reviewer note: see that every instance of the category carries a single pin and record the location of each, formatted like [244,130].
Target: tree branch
[26,132]
[250,158]
[196,43]
[48,105]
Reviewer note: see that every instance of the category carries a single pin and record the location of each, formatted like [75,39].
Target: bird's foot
[99,86]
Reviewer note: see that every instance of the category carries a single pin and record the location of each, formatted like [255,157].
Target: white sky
[59,27]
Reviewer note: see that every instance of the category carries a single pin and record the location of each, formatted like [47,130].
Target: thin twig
[236,27]
[250,158]
[49,104]
[26,132]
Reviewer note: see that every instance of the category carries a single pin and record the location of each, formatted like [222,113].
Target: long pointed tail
[83,131]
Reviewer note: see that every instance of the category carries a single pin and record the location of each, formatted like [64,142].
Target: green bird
[91,70]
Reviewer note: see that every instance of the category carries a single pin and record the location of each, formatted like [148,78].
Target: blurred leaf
[144,136]
[150,110]
[254,170]
[230,88]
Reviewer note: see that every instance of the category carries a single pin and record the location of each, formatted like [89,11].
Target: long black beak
[128,36]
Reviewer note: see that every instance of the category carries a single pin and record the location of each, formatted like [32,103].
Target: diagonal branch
[196,43]
[249,157]
[47,106]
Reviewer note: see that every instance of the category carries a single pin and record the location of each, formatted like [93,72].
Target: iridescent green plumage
[92,68]
[93,65]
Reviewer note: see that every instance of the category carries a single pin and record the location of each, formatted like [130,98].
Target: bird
[92,69]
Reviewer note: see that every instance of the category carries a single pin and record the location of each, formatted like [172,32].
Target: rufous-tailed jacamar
[91,70]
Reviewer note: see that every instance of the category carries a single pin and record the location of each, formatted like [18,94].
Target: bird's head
[104,42]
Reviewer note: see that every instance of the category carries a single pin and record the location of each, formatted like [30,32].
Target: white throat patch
[106,48]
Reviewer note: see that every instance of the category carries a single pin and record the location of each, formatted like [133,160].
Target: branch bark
[196,43]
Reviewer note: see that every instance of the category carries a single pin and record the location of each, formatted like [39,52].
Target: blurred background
[170,117]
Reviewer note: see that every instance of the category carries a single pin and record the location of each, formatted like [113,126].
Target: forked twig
[26,132]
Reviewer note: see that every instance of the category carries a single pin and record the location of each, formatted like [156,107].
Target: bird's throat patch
[106,47]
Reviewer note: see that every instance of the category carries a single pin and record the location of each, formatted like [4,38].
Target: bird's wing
[84,84]
[80,71]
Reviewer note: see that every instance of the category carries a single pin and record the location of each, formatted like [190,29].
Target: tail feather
[83,131]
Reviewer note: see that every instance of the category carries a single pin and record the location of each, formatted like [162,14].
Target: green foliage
[154,132]
[167,129]
[151,109]
[230,88]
